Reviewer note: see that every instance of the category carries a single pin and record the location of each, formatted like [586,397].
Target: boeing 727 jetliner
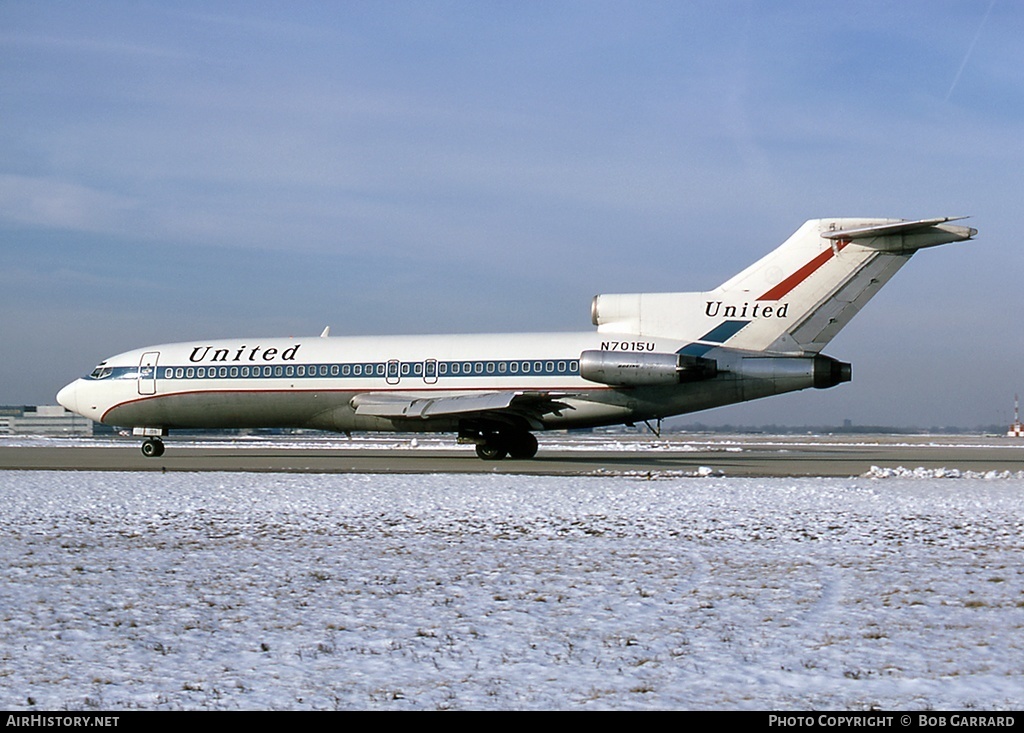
[652,356]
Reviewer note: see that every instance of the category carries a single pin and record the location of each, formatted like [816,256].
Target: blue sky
[174,171]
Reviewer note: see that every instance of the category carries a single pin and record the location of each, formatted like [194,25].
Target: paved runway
[734,456]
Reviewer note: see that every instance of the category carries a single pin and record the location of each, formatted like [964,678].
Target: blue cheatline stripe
[695,349]
[362,370]
[723,332]
[716,336]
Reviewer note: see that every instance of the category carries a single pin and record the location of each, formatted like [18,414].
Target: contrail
[977,35]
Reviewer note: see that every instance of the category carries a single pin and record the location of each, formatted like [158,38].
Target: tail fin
[793,300]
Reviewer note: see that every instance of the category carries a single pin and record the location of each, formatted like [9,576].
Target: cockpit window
[101,372]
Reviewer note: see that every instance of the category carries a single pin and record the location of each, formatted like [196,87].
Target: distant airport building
[42,420]
[1016,429]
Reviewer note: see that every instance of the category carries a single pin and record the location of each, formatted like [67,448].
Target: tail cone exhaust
[829,372]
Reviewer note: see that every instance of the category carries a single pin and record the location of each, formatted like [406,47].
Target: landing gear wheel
[152,448]
[491,451]
[522,445]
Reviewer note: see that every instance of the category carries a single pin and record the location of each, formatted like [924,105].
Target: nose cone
[68,397]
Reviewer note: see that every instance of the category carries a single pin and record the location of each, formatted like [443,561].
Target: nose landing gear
[152,447]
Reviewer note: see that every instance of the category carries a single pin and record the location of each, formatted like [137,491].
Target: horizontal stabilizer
[891,229]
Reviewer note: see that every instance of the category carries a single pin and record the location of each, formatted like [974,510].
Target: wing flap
[384,404]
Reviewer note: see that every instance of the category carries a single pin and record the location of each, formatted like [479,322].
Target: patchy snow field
[169,591]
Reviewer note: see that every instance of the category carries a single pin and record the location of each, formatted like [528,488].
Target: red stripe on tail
[782,289]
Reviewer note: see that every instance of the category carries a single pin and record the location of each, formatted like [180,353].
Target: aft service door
[147,372]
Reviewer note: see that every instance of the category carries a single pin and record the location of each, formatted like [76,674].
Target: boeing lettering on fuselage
[653,355]
[202,353]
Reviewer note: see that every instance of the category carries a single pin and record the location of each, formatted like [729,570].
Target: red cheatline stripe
[782,289]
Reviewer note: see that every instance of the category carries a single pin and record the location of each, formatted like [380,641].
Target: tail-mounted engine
[627,369]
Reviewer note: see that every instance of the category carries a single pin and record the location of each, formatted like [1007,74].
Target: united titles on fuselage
[202,353]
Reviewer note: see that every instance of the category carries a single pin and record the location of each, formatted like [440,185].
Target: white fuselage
[311,382]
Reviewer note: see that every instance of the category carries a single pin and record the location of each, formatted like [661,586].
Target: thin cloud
[50,202]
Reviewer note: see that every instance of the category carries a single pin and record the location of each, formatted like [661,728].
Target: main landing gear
[152,447]
[495,445]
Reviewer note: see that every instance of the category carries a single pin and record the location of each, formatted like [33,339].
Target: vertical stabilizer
[793,300]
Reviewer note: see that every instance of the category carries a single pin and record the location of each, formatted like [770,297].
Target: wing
[528,405]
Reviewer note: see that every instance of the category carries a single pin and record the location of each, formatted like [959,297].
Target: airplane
[652,356]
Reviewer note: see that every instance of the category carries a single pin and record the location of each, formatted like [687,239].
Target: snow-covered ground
[207,590]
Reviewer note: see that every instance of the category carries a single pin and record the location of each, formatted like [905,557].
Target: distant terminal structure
[42,420]
[1016,429]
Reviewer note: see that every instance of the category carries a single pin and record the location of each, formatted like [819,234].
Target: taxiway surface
[748,456]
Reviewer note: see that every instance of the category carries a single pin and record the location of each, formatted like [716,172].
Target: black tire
[152,448]
[522,446]
[491,451]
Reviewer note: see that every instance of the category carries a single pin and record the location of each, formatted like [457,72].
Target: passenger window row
[380,369]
